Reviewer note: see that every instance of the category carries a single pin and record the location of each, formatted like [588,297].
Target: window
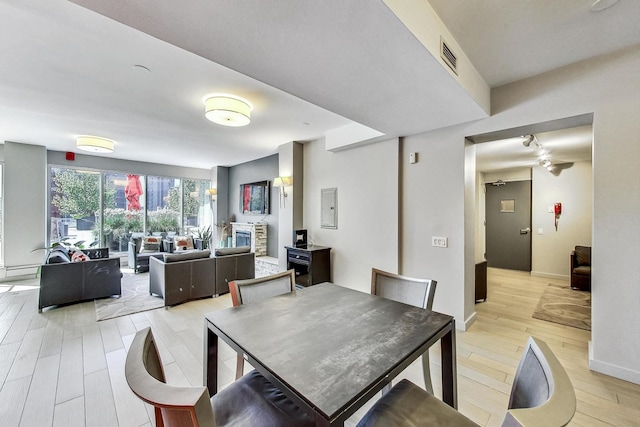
[163,205]
[123,201]
[111,207]
[196,211]
[74,203]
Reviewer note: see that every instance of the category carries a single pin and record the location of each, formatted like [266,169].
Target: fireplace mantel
[258,236]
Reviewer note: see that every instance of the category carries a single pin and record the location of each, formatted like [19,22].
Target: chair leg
[239,366]
[386,389]
[426,372]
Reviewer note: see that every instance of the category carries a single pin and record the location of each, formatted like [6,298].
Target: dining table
[330,348]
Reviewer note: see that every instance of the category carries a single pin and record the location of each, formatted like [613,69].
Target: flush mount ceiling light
[94,144]
[227,110]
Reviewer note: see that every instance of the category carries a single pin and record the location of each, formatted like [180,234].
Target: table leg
[449,369]
[210,363]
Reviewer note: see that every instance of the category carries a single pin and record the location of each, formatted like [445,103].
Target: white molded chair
[249,291]
[411,291]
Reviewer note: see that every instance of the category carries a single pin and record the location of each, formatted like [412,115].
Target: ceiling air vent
[448,56]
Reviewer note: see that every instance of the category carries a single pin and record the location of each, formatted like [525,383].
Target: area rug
[561,304]
[135,298]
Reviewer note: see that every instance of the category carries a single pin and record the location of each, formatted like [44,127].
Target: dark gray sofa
[66,282]
[233,264]
[183,277]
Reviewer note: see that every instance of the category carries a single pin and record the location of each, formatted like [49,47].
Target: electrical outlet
[439,242]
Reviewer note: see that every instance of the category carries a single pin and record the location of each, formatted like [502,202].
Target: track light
[527,142]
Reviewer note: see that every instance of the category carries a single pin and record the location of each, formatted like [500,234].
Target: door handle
[525,230]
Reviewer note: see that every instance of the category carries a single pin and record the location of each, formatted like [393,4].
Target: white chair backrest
[404,289]
[542,393]
[255,290]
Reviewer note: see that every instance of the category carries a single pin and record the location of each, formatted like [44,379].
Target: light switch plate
[439,242]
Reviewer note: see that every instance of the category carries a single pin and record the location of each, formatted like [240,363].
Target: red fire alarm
[70,155]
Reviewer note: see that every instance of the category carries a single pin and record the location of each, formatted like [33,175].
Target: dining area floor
[63,368]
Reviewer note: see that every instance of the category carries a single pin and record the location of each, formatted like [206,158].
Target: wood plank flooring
[62,368]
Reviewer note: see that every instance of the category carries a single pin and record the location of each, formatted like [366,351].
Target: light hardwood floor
[62,368]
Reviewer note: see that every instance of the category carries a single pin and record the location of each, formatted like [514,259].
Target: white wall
[367,234]
[437,198]
[573,188]
[433,194]
[24,206]
[608,87]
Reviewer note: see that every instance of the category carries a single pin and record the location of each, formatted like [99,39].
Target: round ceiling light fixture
[94,144]
[227,110]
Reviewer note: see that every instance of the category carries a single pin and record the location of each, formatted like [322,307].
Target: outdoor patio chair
[407,290]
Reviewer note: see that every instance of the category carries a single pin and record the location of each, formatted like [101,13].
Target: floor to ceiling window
[108,208]
[74,203]
[164,202]
[123,214]
[196,205]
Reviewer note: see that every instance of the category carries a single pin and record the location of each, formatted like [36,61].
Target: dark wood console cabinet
[481,281]
[312,264]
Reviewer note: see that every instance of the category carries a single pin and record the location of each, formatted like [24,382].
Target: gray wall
[265,169]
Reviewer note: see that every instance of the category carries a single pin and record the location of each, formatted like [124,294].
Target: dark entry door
[508,230]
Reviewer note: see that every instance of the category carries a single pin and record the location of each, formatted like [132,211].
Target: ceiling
[307,69]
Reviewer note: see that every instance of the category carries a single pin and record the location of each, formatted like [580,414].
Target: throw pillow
[183,242]
[150,244]
[79,256]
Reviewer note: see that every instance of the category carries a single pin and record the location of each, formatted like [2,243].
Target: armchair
[581,268]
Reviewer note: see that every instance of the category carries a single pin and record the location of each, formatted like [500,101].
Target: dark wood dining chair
[541,395]
[249,291]
[407,290]
[252,400]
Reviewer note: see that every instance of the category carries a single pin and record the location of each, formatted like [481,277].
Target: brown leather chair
[581,268]
[541,395]
[252,400]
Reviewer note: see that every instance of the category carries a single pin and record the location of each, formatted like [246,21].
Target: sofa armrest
[156,276]
[132,253]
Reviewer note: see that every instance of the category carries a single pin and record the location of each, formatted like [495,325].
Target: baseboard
[550,275]
[613,370]
[463,326]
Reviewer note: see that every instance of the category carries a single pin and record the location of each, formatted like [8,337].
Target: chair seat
[409,405]
[583,270]
[254,401]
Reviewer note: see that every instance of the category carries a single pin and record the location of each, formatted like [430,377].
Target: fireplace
[250,234]
[243,238]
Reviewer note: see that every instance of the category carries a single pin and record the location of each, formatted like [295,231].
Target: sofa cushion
[233,251]
[583,255]
[186,256]
[183,242]
[583,270]
[79,256]
[150,244]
